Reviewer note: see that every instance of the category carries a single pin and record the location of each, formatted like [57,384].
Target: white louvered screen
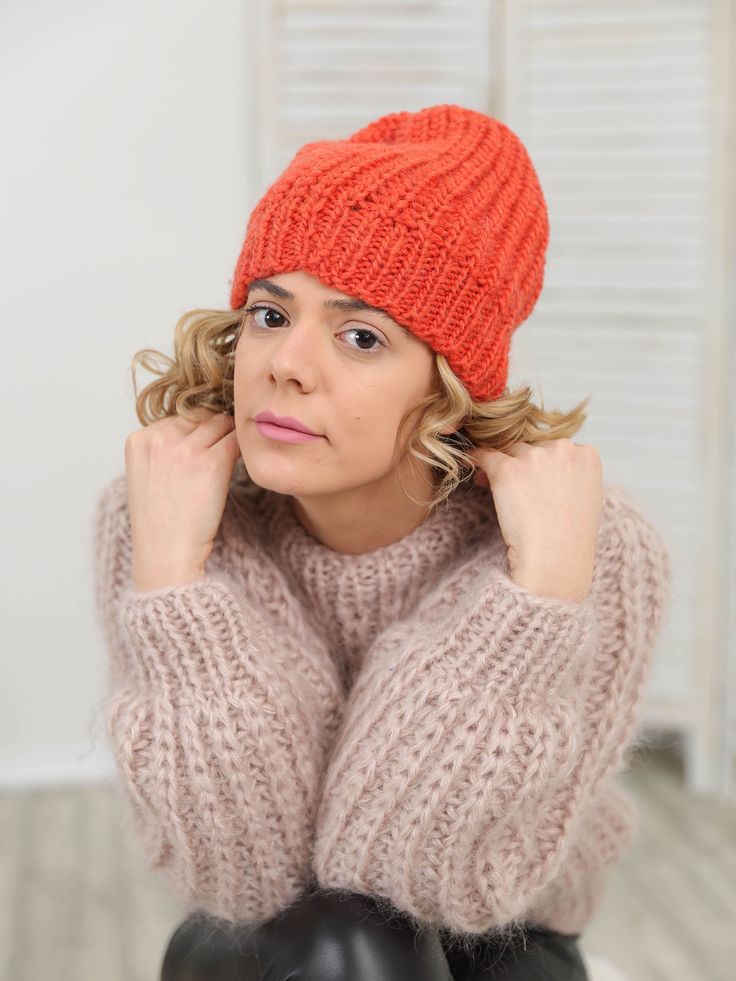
[328,67]
[726,115]
[615,101]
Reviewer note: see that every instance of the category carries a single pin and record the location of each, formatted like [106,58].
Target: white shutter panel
[615,101]
[324,68]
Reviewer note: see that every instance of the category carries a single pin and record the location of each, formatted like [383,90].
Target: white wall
[123,184]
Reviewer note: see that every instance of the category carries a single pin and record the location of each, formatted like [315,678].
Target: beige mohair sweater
[408,722]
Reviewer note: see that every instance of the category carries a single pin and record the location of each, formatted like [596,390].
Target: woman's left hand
[548,498]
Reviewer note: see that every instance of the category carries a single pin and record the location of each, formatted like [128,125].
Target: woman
[368,711]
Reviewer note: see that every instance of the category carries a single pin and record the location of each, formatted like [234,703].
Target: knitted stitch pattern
[435,216]
[221,708]
[408,722]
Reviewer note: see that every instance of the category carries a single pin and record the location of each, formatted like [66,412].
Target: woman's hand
[178,475]
[548,499]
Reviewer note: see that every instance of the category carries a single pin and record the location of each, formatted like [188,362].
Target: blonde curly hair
[453,423]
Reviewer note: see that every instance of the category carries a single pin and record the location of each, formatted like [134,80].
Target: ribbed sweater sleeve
[222,705]
[480,728]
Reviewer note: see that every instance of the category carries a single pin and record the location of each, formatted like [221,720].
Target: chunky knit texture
[408,722]
[435,216]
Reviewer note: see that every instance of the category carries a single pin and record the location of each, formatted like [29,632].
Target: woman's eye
[263,324]
[254,310]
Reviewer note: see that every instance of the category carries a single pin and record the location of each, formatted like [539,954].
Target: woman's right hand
[178,475]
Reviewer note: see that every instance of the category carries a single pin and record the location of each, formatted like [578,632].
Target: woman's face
[347,374]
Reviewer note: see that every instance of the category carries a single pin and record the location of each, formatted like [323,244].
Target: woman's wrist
[148,576]
[554,584]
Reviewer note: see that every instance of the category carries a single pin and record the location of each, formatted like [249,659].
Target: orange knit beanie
[436,216]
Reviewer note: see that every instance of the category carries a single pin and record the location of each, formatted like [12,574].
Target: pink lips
[283,434]
[286,422]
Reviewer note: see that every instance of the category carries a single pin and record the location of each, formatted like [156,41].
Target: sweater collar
[355,597]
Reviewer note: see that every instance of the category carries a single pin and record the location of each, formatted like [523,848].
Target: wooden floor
[79,905]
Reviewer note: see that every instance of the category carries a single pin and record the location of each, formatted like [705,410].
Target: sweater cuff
[183,636]
[543,643]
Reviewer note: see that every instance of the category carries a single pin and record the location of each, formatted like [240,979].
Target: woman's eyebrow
[347,304]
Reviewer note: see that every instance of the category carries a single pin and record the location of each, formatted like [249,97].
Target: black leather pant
[341,936]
